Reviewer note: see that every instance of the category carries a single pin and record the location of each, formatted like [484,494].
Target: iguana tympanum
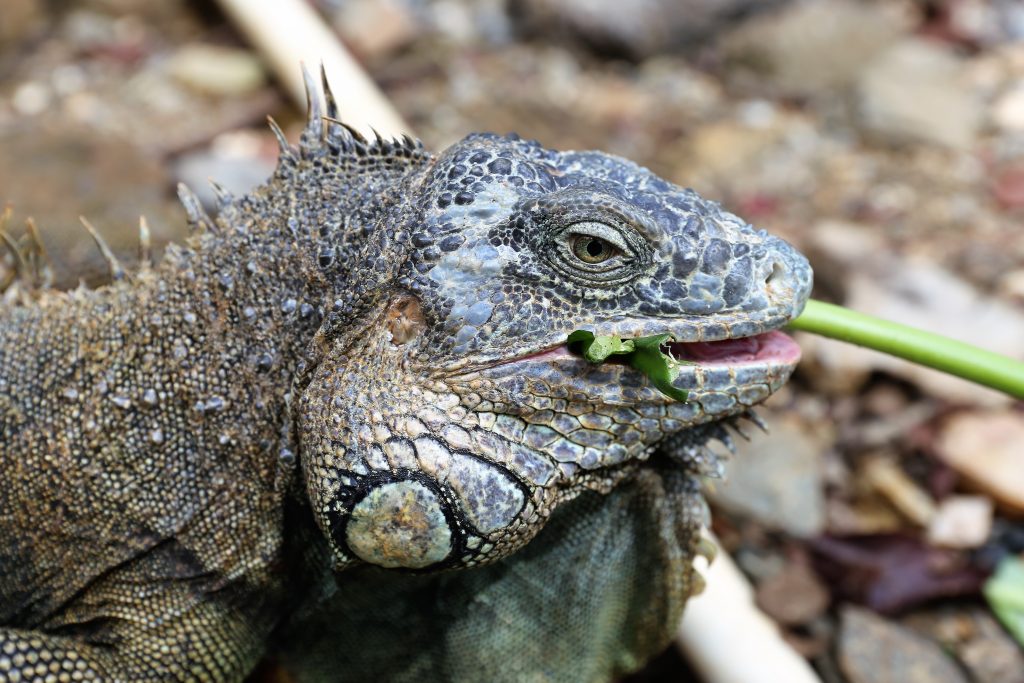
[360,365]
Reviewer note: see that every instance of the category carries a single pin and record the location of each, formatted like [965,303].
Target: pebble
[992,656]
[794,596]
[1011,285]
[808,47]
[916,92]
[22,21]
[31,98]
[984,648]
[236,171]
[886,477]
[647,28]
[217,70]
[985,447]
[1008,110]
[376,28]
[1008,187]
[778,478]
[875,650]
[961,522]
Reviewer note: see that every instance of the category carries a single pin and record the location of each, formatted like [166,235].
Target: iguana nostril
[776,275]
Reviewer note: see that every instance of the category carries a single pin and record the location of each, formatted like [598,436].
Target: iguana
[364,362]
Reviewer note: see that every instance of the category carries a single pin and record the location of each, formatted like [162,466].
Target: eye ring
[589,238]
[595,252]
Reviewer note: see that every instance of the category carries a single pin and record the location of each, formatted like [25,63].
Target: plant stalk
[924,348]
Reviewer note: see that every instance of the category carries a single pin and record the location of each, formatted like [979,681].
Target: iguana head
[442,426]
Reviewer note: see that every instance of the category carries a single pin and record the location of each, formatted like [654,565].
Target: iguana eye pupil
[590,249]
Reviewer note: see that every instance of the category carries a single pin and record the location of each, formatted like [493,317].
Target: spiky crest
[38,257]
[145,246]
[314,107]
[20,267]
[284,147]
[224,197]
[325,128]
[197,216]
[117,271]
[31,271]
[332,104]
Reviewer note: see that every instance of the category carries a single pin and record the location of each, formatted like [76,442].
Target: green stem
[924,348]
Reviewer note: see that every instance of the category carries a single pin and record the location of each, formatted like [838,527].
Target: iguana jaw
[723,377]
[768,347]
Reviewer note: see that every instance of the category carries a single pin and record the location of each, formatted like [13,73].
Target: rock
[31,98]
[985,447]
[217,70]
[1008,110]
[916,91]
[721,148]
[376,28]
[977,639]
[807,47]
[979,22]
[794,596]
[990,655]
[961,522]
[1008,187]
[89,31]
[875,650]
[882,474]
[647,28]
[1011,285]
[22,20]
[777,478]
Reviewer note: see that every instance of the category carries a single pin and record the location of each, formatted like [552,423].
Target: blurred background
[884,138]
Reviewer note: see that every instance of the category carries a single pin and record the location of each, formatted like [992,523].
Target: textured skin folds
[363,362]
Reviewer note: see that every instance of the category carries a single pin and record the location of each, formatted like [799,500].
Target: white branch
[289,33]
[728,639]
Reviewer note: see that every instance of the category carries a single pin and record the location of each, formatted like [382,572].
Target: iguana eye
[592,240]
[590,249]
[594,252]
[594,248]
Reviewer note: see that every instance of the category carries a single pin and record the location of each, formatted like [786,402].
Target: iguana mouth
[773,346]
[768,347]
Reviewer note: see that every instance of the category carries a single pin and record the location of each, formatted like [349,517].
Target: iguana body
[366,352]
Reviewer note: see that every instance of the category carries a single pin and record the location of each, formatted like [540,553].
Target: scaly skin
[371,345]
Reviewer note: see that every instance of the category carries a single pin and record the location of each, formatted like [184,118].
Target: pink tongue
[733,349]
[771,346]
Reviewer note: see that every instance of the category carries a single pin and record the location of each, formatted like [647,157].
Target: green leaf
[1005,594]
[597,349]
[643,353]
[659,367]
